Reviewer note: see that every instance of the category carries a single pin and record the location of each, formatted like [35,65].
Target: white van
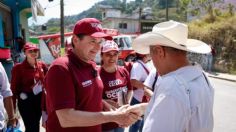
[123,41]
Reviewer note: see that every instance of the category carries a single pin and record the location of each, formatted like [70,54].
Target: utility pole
[140,17]
[167,11]
[62,23]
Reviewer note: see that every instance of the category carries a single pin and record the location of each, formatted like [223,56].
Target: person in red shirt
[27,87]
[116,80]
[74,87]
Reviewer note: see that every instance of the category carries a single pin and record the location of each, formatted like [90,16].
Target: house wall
[112,13]
[113,23]
[6,33]
[112,18]
[24,25]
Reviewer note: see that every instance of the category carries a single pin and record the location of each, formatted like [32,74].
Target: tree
[183,7]
[199,6]
[231,9]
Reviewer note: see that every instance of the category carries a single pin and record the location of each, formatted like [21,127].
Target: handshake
[127,115]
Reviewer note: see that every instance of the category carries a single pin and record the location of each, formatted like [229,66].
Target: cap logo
[94,25]
[110,45]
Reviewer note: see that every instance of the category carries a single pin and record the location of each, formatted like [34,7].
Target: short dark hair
[173,49]
[80,36]
[139,56]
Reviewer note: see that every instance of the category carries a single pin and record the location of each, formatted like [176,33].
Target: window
[121,43]
[104,14]
[123,25]
[115,39]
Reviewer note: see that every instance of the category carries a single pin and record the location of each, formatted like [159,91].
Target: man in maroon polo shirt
[74,89]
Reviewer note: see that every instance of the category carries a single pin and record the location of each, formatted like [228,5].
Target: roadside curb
[227,79]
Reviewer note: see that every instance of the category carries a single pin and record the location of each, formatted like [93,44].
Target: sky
[71,7]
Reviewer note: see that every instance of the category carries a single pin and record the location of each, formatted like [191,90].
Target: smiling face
[32,54]
[110,58]
[86,47]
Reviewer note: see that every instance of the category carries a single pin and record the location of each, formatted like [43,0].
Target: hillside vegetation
[217,27]
[221,34]
[158,7]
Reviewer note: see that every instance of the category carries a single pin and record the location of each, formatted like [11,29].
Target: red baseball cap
[92,27]
[109,45]
[30,46]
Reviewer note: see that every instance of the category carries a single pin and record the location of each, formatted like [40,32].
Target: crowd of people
[76,95]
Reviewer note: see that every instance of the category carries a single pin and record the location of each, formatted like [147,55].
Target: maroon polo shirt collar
[26,63]
[77,61]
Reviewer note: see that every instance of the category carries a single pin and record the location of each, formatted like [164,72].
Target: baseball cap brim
[104,51]
[33,48]
[101,35]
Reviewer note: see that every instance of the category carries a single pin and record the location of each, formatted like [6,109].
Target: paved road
[224,106]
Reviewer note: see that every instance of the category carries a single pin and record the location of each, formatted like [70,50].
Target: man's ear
[75,39]
[160,51]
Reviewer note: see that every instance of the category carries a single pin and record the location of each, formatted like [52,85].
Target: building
[140,21]
[113,18]
[14,16]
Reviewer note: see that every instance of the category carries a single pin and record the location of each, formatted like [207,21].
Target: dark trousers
[138,125]
[30,111]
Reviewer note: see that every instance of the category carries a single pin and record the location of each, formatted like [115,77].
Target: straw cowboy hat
[170,34]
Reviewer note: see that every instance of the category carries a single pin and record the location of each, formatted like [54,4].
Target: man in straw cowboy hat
[183,100]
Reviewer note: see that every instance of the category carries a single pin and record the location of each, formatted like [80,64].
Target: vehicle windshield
[128,41]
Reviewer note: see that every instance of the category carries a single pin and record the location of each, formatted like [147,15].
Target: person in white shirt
[183,99]
[138,74]
[151,82]
[6,104]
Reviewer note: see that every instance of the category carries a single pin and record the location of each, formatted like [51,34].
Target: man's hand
[107,106]
[112,103]
[12,122]
[133,113]
[124,118]
[137,109]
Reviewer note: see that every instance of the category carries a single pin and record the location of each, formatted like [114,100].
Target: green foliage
[158,7]
[216,27]
[231,9]
[114,3]
[222,35]
[52,30]
[199,6]
[162,3]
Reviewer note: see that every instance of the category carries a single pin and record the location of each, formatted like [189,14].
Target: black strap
[155,80]
[147,71]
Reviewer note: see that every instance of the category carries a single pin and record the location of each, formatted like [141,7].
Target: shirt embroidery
[115,82]
[87,83]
